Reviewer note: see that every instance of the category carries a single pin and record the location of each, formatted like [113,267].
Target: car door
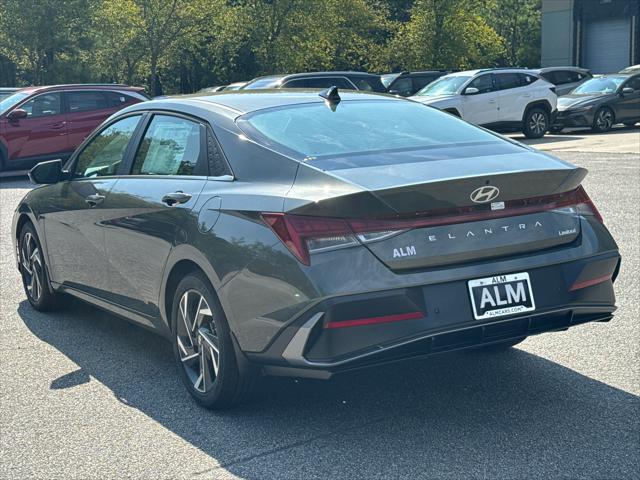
[153,204]
[77,213]
[627,106]
[480,108]
[43,133]
[86,110]
[514,93]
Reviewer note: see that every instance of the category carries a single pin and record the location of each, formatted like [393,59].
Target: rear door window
[44,105]
[170,146]
[86,101]
[117,99]
[506,81]
[403,86]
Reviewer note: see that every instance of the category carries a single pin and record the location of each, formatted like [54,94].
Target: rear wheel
[34,273]
[203,349]
[603,120]
[536,123]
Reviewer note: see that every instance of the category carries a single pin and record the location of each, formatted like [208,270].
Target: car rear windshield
[600,85]
[387,78]
[11,100]
[314,130]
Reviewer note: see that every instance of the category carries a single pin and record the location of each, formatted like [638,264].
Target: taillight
[304,235]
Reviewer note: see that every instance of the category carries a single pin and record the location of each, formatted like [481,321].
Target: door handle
[57,126]
[176,198]
[95,199]
[492,101]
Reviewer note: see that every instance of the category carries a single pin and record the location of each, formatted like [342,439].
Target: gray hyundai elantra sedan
[306,233]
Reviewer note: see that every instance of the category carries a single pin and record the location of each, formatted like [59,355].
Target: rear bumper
[307,348]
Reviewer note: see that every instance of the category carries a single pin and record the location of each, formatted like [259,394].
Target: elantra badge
[484,194]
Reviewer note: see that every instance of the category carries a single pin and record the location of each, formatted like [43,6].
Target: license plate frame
[504,293]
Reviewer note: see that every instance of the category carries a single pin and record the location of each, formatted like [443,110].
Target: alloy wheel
[32,269]
[604,120]
[198,342]
[538,123]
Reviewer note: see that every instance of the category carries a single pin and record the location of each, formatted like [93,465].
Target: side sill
[122,312]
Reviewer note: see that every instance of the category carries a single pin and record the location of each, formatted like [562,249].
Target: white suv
[505,99]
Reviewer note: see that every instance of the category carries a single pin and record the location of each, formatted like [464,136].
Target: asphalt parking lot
[86,395]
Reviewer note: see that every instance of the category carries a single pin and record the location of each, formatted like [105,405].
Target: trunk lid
[439,183]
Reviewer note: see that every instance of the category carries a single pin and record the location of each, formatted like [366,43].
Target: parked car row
[41,123]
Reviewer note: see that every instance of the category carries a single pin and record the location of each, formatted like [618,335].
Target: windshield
[11,100]
[600,85]
[314,130]
[388,78]
[444,86]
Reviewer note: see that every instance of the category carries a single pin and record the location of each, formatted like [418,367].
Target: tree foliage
[184,45]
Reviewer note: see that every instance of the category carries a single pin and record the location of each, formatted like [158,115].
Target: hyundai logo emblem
[484,194]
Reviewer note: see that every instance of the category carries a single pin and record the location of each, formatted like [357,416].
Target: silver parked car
[564,78]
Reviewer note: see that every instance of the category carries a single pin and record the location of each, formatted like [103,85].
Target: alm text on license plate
[501,295]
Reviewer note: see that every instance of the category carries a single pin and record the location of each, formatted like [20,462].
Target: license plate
[501,295]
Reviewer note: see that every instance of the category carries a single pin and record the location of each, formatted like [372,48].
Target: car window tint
[104,153]
[362,84]
[421,82]
[633,83]
[565,76]
[526,79]
[483,83]
[171,146]
[506,81]
[85,101]
[403,86]
[319,82]
[116,99]
[43,105]
[355,127]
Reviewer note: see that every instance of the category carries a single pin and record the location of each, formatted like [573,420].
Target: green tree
[518,22]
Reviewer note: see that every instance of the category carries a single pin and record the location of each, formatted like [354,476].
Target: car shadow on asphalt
[463,415]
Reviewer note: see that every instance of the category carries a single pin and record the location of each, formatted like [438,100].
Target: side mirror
[471,91]
[46,172]
[627,91]
[17,114]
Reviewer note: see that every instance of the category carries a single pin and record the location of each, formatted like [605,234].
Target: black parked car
[600,103]
[343,80]
[406,84]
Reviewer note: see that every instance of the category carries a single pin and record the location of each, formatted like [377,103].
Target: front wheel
[203,349]
[536,123]
[34,273]
[603,120]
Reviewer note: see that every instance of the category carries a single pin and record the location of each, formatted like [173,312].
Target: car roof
[345,73]
[246,101]
[553,69]
[81,86]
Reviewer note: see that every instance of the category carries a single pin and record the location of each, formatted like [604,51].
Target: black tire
[630,124]
[203,347]
[536,122]
[35,276]
[603,120]
[502,346]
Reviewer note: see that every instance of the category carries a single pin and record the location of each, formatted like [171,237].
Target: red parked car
[44,123]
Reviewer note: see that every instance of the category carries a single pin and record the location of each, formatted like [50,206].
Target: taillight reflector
[375,320]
